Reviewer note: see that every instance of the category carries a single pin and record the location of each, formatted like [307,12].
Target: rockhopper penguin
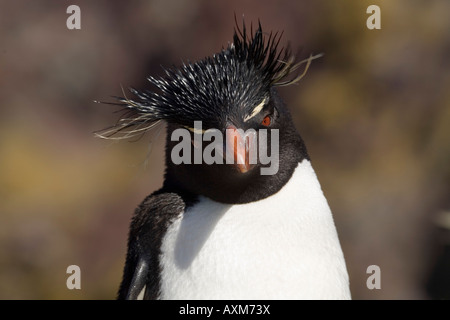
[221,230]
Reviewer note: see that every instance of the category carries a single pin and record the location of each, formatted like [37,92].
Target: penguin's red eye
[266,121]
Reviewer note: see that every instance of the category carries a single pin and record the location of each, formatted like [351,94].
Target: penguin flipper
[136,290]
[140,277]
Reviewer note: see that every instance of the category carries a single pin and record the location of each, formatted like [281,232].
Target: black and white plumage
[223,231]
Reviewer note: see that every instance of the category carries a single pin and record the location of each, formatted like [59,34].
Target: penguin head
[232,93]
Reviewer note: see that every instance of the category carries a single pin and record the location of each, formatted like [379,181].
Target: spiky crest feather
[239,76]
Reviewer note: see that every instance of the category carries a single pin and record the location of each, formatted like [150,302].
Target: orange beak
[237,148]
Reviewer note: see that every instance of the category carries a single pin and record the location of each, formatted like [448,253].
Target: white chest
[282,247]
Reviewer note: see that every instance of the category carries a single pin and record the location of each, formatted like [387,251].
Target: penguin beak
[237,147]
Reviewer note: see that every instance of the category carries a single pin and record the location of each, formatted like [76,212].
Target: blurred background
[374,113]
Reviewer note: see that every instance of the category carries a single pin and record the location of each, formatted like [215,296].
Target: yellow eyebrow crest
[256,110]
[195,130]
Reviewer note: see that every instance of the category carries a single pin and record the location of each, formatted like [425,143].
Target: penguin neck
[222,184]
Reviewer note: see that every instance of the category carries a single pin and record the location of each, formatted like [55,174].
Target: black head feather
[240,76]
